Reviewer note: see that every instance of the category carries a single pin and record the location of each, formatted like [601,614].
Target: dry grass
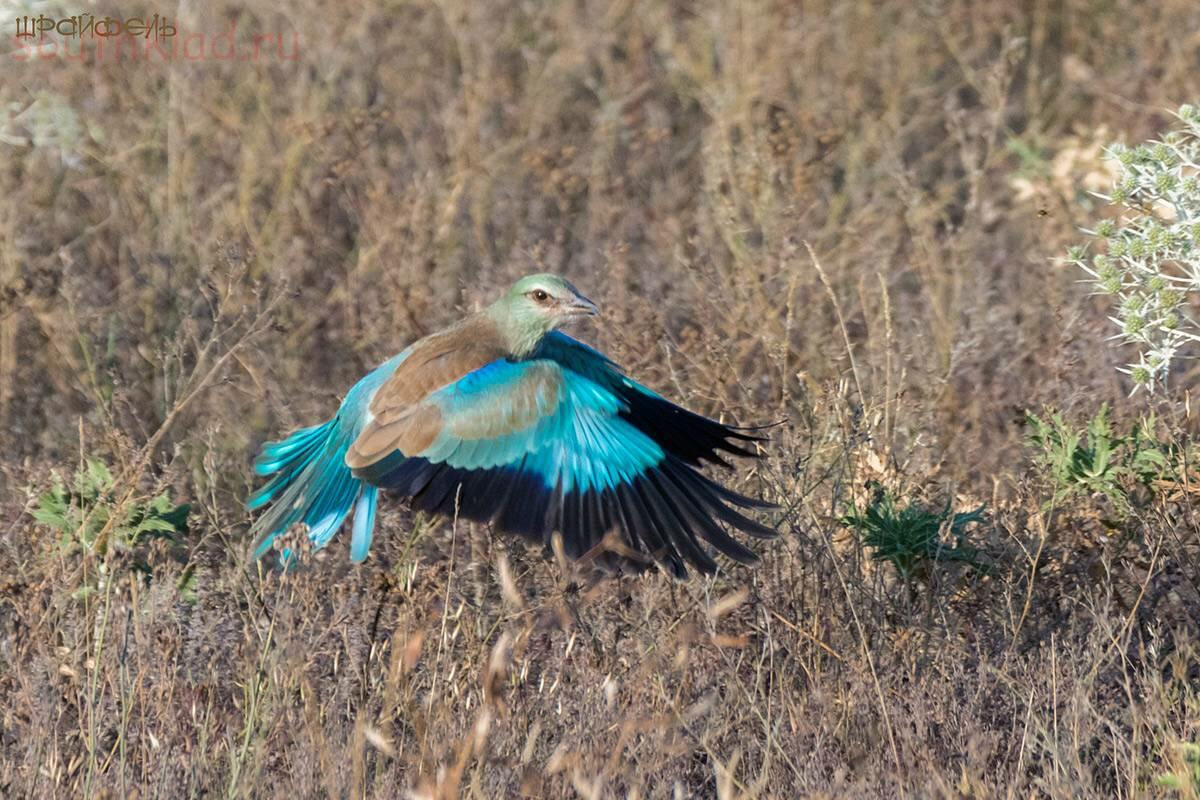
[206,254]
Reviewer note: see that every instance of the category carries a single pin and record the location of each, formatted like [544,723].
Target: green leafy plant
[911,538]
[80,511]
[1097,460]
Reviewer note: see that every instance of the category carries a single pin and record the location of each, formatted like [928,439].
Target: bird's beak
[582,307]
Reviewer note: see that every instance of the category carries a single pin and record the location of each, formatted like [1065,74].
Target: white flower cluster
[1152,244]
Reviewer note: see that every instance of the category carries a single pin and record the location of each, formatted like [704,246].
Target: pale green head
[536,305]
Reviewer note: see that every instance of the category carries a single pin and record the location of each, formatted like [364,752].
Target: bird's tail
[313,485]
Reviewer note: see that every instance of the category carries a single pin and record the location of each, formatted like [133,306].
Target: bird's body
[503,419]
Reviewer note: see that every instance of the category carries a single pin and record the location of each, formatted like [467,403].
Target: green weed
[1097,460]
[911,537]
[80,512]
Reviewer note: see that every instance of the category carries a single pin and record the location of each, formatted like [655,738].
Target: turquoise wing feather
[565,427]
[310,482]
[565,442]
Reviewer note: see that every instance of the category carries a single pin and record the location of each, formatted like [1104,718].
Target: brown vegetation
[198,256]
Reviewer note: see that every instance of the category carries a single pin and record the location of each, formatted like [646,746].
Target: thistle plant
[1150,247]
[912,537]
[1099,459]
[81,509]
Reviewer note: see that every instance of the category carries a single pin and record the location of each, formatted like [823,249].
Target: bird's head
[536,305]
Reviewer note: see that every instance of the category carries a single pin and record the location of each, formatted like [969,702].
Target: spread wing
[563,442]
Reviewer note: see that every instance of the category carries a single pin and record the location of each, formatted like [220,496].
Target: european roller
[503,419]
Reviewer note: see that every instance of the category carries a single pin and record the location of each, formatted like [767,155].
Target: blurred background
[205,239]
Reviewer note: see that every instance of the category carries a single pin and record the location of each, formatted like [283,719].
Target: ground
[847,217]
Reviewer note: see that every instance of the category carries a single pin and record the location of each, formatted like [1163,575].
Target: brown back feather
[400,421]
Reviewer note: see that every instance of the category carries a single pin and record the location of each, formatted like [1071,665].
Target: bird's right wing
[558,443]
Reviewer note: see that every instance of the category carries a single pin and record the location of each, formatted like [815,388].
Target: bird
[504,419]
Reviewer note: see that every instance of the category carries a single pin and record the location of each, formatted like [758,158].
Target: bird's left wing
[551,444]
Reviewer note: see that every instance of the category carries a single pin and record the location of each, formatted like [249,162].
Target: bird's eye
[540,295]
